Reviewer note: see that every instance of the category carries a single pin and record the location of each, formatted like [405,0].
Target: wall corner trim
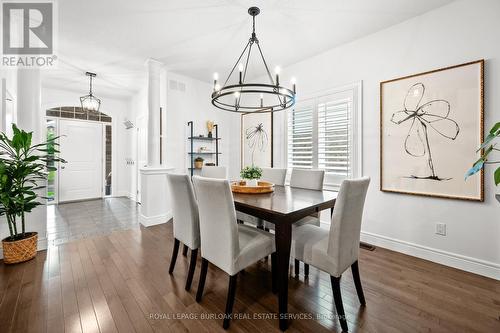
[155,220]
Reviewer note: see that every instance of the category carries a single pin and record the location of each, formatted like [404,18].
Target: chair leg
[185,250]
[357,283]
[192,266]
[296,264]
[337,296]
[306,270]
[274,275]
[201,282]
[231,293]
[174,256]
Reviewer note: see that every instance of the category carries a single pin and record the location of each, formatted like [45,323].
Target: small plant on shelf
[488,147]
[251,174]
[198,162]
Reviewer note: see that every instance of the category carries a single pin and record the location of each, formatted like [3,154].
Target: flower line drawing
[256,138]
[433,114]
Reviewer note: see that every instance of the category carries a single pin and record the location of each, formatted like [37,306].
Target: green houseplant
[488,147]
[23,171]
[251,174]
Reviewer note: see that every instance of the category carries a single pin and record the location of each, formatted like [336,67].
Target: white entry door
[81,146]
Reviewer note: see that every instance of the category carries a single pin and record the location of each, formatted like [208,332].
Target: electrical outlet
[441,229]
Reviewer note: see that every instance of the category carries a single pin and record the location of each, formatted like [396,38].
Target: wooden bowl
[262,187]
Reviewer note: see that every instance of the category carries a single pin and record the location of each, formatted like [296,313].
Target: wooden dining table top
[285,201]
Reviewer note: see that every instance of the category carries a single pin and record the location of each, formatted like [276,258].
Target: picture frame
[257,149]
[431,125]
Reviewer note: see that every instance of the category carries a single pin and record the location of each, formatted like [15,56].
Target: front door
[81,146]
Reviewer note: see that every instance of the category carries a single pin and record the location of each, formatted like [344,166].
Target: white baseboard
[473,265]
[149,221]
[41,245]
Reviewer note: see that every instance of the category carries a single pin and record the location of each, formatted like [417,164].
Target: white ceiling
[198,37]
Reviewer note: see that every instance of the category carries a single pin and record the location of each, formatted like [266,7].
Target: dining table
[283,207]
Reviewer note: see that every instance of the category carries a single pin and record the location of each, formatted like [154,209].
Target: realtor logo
[28,29]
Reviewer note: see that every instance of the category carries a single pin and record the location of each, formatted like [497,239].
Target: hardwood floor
[120,283]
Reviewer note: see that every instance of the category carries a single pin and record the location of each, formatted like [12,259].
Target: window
[324,132]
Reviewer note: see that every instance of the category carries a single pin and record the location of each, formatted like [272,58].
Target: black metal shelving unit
[193,138]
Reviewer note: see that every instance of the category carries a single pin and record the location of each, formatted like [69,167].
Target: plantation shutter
[334,136]
[324,132]
[300,137]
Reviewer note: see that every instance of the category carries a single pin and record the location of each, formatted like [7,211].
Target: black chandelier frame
[285,97]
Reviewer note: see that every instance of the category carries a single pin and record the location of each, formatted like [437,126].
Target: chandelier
[249,97]
[90,102]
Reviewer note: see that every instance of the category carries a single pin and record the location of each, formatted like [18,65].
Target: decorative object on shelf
[252,97]
[257,139]
[431,124]
[210,127]
[210,164]
[251,174]
[90,102]
[203,150]
[23,168]
[487,147]
[198,162]
[260,188]
[200,138]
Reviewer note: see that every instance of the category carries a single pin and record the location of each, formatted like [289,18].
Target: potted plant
[251,174]
[488,147]
[23,171]
[198,162]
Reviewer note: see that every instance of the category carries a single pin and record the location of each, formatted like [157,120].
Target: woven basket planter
[21,250]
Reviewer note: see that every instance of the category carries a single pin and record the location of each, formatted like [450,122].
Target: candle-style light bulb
[216,77]
[294,82]
[217,87]
[277,71]
[261,100]
[236,97]
[240,69]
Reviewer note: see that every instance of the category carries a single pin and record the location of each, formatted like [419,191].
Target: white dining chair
[226,244]
[335,250]
[310,180]
[212,171]
[273,175]
[185,221]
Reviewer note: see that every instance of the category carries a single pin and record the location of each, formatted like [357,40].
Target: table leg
[283,238]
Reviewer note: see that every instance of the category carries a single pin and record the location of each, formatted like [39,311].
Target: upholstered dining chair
[226,244]
[211,171]
[335,250]
[310,180]
[273,175]
[185,220]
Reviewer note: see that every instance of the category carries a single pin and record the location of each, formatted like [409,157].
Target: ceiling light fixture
[90,102]
[252,97]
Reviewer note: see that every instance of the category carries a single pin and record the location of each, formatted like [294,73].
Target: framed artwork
[431,125]
[257,139]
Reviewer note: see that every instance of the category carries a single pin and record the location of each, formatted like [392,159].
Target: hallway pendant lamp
[246,97]
[90,102]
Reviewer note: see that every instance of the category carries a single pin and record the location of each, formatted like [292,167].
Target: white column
[155,202]
[154,71]
[29,102]
[31,119]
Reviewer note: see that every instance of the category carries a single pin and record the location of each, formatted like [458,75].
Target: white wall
[118,109]
[460,32]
